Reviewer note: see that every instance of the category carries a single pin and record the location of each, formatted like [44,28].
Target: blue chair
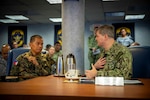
[141,61]
[12,55]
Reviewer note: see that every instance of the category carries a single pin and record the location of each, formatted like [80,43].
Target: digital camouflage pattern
[118,62]
[28,69]
[51,63]
[92,44]
[3,64]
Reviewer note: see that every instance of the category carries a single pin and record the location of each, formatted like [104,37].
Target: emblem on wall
[17,34]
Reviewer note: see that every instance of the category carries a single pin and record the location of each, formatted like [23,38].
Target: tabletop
[47,87]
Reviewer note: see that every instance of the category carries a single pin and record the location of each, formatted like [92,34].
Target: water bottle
[60,66]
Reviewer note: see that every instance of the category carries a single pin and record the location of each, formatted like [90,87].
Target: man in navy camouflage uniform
[114,60]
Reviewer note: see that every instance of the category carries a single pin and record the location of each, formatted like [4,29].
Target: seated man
[115,59]
[32,63]
[125,39]
[3,59]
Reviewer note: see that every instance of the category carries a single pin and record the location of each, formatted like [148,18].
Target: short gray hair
[106,29]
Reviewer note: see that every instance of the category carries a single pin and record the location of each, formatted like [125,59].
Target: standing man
[58,51]
[94,49]
[32,63]
[115,60]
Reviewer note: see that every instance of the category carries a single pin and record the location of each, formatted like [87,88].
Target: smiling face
[36,45]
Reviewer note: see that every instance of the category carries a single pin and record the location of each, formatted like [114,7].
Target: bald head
[4,50]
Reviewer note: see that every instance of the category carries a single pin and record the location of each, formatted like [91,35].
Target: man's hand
[33,60]
[100,63]
[91,73]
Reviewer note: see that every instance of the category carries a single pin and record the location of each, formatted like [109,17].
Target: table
[54,88]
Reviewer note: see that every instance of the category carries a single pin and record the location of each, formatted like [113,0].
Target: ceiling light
[55,19]
[114,14]
[17,17]
[54,1]
[110,0]
[8,21]
[131,17]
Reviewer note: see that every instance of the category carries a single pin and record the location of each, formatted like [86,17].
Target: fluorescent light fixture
[8,21]
[54,1]
[132,17]
[110,0]
[55,19]
[17,17]
[114,14]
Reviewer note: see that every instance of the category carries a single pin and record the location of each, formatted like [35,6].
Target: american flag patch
[15,62]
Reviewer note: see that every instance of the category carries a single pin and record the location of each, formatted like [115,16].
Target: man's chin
[39,51]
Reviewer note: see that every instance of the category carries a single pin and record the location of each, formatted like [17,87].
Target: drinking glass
[71,72]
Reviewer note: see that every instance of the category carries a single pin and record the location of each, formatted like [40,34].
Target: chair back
[12,55]
[141,61]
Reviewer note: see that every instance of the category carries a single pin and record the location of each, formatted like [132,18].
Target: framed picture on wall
[17,34]
[129,27]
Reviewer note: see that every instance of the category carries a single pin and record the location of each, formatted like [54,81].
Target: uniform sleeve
[43,68]
[28,69]
[120,67]
[124,64]
[3,65]
[51,64]
[90,41]
[15,68]
[31,70]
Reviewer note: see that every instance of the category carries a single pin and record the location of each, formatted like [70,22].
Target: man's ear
[106,36]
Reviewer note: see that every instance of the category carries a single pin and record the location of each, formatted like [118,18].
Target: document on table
[106,81]
[133,82]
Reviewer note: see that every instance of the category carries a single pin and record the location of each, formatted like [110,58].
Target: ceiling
[39,11]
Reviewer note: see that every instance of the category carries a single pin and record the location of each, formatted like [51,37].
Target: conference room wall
[142,34]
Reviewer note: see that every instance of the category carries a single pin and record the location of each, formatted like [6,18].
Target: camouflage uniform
[56,54]
[27,69]
[118,62]
[92,44]
[3,64]
[51,63]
